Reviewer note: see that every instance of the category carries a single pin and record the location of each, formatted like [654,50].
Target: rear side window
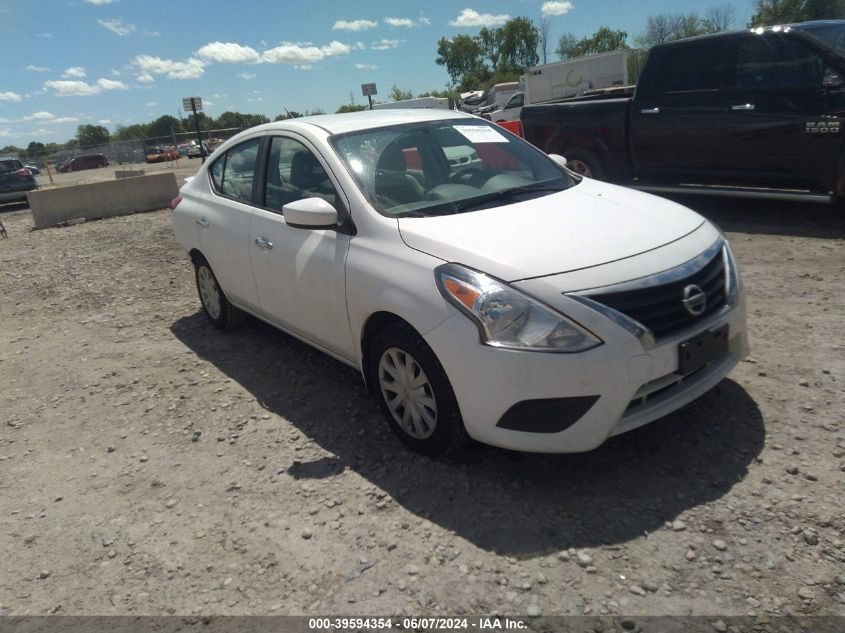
[8,166]
[689,68]
[773,61]
[232,174]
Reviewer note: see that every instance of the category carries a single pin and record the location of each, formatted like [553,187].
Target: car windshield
[451,166]
[831,35]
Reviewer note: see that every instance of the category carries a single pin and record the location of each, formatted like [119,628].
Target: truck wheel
[584,164]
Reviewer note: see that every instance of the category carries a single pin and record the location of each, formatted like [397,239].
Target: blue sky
[110,62]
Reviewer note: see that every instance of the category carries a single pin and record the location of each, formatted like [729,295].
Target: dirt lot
[151,465]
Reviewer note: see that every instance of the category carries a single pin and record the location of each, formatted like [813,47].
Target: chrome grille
[660,307]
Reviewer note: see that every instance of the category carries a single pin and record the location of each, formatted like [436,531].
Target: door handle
[263,244]
[743,106]
[203,223]
[650,111]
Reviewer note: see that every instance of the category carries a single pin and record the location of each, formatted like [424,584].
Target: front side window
[233,173]
[294,173]
[772,61]
[447,166]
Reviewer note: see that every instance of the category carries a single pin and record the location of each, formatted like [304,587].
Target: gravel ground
[152,465]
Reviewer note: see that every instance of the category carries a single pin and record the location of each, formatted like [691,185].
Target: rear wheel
[584,164]
[414,392]
[222,314]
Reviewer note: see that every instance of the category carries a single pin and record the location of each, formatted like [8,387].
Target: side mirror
[559,160]
[310,213]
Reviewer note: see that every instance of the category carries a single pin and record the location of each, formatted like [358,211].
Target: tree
[163,126]
[771,12]
[543,31]
[346,107]
[674,26]
[289,114]
[720,18]
[397,94]
[89,135]
[35,149]
[602,41]
[476,62]
[567,45]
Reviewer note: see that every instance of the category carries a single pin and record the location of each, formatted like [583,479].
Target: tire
[222,314]
[434,419]
[584,164]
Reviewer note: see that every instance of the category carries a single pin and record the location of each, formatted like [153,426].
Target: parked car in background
[194,151]
[480,287]
[33,168]
[15,179]
[86,161]
[752,113]
[160,155]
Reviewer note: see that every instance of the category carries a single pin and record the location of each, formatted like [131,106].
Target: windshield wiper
[502,194]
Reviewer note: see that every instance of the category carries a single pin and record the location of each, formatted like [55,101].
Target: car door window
[232,174]
[773,61]
[294,173]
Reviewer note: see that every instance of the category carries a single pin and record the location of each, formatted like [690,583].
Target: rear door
[782,113]
[675,118]
[225,218]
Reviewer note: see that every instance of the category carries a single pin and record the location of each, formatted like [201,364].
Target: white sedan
[481,288]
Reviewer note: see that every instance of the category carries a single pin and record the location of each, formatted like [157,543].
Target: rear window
[689,68]
[8,166]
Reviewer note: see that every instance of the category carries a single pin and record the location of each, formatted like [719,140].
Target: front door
[782,114]
[300,273]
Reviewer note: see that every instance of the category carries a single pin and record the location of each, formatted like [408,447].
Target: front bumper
[630,385]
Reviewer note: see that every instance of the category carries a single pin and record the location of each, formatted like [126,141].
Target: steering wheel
[464,173]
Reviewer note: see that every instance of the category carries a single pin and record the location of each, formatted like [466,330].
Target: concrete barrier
[128,173]
[106,199]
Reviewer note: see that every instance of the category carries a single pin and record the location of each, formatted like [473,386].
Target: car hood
[590,224]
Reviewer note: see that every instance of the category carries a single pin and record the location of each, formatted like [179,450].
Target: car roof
[366,119]
[9,157]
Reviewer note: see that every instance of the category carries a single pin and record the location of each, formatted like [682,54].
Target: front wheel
[222,314]
[414,392]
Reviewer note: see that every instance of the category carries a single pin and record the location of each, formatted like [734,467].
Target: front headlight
[507,318]
[733,280]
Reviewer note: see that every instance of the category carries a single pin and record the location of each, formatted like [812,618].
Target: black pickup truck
[755,113]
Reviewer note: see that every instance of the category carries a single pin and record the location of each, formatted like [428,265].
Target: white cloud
[65,119]
[151,34]
[111,84]
[303,54]
[44,35]
[74,72]
[100,1]
[366,66]
[5,132]
[219,95]
[104,122]
[145,78]
[150,65]
[37,69]
[208,104]
[255,99]
[246,76]
[39,116]
[150,104]
[468,17]
[354,25]
[384,45]
[40,132]
[115,72]
[82,89]
[407,22]
[303,67]
[117,27]
[556,8]
[229,53]
[10,96]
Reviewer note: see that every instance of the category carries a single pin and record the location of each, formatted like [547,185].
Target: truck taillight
[175,202]
[23,171]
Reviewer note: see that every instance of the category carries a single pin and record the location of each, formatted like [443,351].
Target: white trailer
[441,103]
[569,78]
